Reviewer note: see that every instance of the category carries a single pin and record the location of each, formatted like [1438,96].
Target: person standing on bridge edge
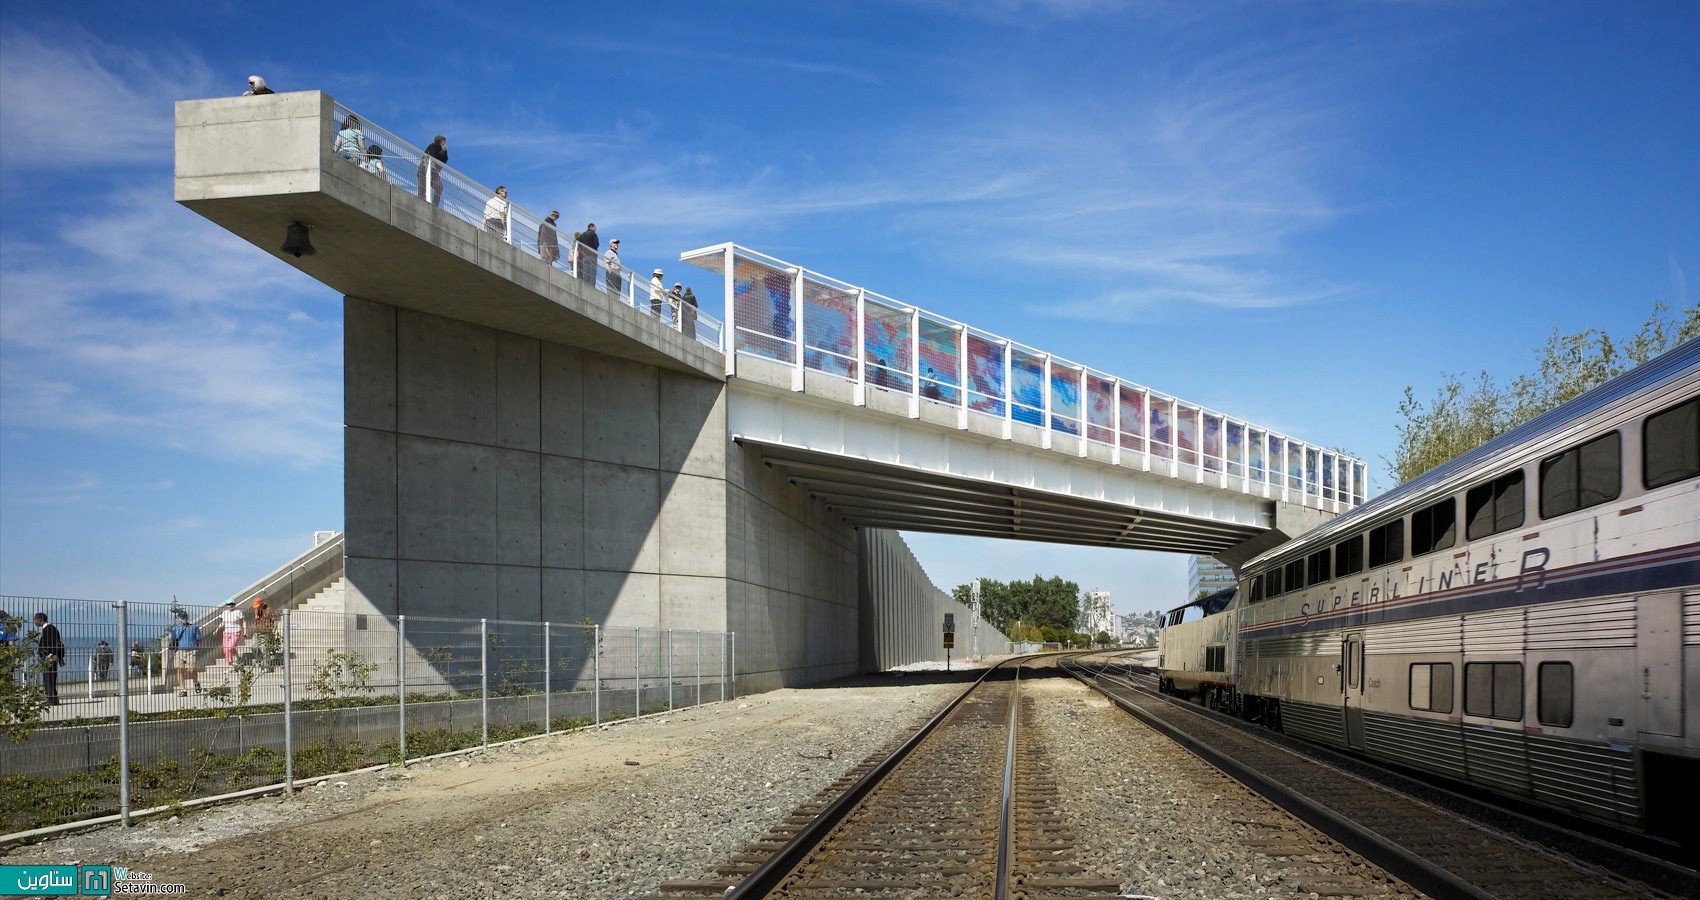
[51,649]
[611,261]
[256,87]
[657,290]
[548,239]
[351,140]
[676,302]
[496,213]
[587,261]
[431,165]
[688,314]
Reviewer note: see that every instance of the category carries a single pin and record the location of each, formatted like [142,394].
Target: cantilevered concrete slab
[256,164]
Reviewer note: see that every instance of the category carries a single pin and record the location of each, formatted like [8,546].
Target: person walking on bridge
[496,213]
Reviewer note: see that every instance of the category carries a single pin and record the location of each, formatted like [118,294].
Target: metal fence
[381,154]
[139,725]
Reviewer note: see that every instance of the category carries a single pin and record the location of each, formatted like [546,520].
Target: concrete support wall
[902,612]
[494,475]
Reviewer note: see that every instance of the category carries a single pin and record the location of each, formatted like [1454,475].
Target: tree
[1043,603]
[1463,416]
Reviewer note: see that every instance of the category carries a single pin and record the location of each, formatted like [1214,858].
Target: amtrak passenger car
[1525,618]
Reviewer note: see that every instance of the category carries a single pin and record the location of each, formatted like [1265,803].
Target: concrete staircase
[316,630]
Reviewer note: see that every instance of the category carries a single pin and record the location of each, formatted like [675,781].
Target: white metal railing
[809,321]
[401,164]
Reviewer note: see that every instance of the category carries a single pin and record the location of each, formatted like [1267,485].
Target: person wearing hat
[185,641]
[235,628]
[675,301]
[611,261]
[657,290]
[257,87]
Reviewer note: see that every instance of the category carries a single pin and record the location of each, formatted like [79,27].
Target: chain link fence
[114,709]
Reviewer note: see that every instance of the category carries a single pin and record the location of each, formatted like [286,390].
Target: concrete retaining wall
[902,612]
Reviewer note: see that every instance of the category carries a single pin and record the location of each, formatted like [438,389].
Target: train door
[1658,663]
[1352,688]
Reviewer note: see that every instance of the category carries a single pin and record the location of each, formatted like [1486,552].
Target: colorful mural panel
[1133,419]
[761,303]
[1027,386]
[985,375]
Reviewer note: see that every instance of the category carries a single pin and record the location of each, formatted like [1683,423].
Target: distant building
[1097,614]
[1204,574]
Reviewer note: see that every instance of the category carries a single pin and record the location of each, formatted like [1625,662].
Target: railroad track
[964,808]
[1433,849]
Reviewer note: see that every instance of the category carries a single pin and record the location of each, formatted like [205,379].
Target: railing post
[484,680]
[288,710]
[548,681]
[124,713]
[859,395]
[914,362]
[962,376]
[401,687]
[797,326]
[1115,421]
[596,671]
[731,324]
[1045,403]
[1008,391]
[1083,425]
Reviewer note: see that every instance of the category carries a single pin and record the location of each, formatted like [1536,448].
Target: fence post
[637,673]
[596,671]
[401,686]
[288,710]
[88,679]
[124,714]
[484,680]
[732,666]
[669,670]
[699,666]
[548,682]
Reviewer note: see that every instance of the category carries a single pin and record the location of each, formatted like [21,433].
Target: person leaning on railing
[351,140]
[431,164]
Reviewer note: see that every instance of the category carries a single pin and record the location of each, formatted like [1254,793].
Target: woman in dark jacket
[431,170]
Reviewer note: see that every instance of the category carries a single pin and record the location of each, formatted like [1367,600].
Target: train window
[1256,590]
[1494,690]
[1670,445]
[1494,507]
[1431,687]
[1556,697]
[1349,557]
[1582,476]
[1387,544]
[1317,567]
[1295,577]
[1215,659]
[1434,528]
[1272,582]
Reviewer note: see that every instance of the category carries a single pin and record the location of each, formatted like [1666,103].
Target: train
[1524,619]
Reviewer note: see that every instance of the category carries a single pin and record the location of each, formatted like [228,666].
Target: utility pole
[974,610]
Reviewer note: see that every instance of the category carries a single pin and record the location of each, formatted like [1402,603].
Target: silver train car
[1525,618]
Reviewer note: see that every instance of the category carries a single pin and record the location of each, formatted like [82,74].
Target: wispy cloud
[80,101]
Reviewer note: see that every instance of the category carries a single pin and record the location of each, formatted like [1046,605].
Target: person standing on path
[103,657]
[431,165]
[51,649]
[235,628]
[548,239]
[186,639]
[611,262]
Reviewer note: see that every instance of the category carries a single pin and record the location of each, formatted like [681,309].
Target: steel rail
[1006,825]
[770,873]
[1396,860]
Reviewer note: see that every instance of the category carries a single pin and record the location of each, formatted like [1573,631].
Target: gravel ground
[1151,815]
[599,813]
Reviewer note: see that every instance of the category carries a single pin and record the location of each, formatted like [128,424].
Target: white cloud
[79,101]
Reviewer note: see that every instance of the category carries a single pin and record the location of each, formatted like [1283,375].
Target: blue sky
[1286,211]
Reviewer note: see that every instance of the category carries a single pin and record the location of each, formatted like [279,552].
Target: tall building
[1205,574]
[1096,614]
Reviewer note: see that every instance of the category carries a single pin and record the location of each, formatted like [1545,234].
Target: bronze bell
[296,242]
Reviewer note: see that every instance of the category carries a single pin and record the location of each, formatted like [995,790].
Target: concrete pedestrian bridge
[529,436]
